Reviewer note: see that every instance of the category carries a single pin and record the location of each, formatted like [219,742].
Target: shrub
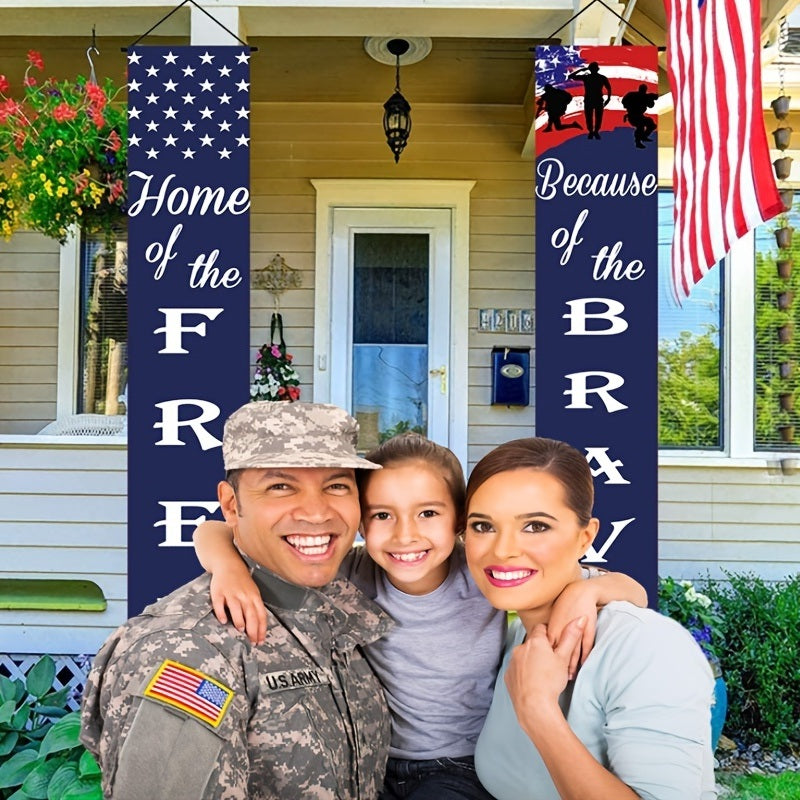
[40,755]
[760,622]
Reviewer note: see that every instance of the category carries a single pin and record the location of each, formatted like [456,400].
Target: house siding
[64,513]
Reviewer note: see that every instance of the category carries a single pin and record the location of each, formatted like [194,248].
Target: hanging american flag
[188,295]
[723,179]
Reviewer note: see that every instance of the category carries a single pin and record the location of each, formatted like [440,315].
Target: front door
[390,320]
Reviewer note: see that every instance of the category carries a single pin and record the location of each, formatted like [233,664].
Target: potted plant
[695,611]
[64,154]
[784,266]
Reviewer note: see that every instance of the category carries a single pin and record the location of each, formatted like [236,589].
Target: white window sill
[9,440]
[716,459]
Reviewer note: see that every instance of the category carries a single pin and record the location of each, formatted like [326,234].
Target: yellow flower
[33,163]
[59,142]
[80,211]
[74,204]
[61,180]
[40,158]
[31,196]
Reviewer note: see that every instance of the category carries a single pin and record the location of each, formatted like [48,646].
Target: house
[728,499]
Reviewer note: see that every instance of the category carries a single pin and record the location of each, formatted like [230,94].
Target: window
[103,327]
[689,352]
[777,336]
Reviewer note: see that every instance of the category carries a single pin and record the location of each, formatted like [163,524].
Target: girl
[439,662]
[635,722]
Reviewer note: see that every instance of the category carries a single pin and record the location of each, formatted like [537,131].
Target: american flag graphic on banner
[723,179]
[191,691]
[555,64]
[188,106]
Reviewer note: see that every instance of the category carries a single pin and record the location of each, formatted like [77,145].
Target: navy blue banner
[189,290]
[596,285]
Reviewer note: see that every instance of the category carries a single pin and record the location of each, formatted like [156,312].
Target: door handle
[442,373]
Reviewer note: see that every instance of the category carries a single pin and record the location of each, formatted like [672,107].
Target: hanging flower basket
[64,154]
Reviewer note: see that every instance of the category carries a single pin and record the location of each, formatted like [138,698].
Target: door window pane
[390,334]
[689,350]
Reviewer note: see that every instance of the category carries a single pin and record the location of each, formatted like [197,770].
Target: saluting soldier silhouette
[595,85]
[636,103]
[555,101]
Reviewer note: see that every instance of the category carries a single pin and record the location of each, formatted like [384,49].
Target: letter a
[605,465]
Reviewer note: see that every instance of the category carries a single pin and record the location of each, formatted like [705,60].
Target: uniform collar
[354,618]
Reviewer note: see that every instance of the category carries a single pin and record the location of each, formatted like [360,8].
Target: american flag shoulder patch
[190,690]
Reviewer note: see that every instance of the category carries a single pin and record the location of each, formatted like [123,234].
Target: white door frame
[398,194]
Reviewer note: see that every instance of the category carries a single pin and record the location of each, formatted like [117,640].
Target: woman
[635,721]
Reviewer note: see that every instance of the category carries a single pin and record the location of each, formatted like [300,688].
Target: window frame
[67,360]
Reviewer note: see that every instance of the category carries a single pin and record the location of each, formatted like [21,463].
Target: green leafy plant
[275,378]
[41,757]
[65,143]
[404,426]
[760,621]
[694,610]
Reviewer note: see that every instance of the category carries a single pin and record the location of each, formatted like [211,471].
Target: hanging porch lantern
[397,110]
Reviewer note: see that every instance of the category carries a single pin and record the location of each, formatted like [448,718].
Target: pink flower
[64,112]
[275,352]
[294,393]
[35,59]
[29,81]
[98,119]
[4,84]
[116,142]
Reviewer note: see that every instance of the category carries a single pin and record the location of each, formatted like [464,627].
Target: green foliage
[694,610]
[760,622]
[785,786]
[689,390]
[41,757]
[404,426]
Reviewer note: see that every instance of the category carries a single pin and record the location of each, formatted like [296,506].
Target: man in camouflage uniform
[181,707]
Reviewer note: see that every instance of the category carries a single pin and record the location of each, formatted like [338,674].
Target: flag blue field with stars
[188,296]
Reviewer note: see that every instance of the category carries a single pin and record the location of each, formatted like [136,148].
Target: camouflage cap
[283,434]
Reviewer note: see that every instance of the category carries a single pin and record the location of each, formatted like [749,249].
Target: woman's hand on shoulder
[577,599]
[538,671]
[236,590]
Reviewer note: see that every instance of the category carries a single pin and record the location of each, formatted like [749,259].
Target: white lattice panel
[70,671]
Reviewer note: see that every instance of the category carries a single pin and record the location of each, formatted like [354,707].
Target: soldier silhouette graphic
[595,86]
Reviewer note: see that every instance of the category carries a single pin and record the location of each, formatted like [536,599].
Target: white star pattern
[186,129]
